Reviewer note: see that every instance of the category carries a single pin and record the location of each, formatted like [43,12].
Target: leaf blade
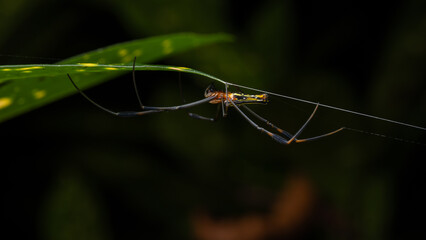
[27,87]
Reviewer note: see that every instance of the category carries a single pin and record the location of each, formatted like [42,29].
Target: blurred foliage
[167,176]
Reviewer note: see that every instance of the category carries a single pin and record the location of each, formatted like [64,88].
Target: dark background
[71,171]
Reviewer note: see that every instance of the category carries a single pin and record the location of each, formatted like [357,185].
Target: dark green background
[71,171]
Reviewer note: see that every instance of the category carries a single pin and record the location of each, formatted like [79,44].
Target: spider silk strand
[332,107]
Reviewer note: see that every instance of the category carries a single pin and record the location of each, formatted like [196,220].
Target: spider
[224,99]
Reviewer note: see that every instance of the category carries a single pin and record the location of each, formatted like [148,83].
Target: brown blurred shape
[288,213]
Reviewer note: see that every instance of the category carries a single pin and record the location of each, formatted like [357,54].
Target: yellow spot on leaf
[88,64]
[137,53]
[39,94]
[122,52]
[167,46]
[127,58]
[6,69]
[28,68]
[5,102]
[111,68]
[27,71]
[179,68]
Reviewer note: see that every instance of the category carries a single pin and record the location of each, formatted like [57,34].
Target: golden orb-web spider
[224,99]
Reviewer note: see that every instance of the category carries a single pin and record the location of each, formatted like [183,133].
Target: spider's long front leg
[147,109]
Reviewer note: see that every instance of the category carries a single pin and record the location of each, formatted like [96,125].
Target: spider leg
[214,119]
[147,109]
[287,134]
[306,123]
[276,137]
[318,137]
[153,109]
[134,83]
[194,115]
[183,106]
[123,114]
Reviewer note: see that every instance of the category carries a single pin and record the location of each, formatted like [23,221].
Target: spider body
[237,98]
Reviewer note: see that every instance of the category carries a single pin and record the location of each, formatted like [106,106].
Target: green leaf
[26,87]
[14,72]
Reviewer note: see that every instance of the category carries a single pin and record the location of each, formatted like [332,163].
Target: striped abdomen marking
[237,98]
[241,98]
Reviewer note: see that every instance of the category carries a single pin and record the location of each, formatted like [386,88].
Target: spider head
[209,90]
